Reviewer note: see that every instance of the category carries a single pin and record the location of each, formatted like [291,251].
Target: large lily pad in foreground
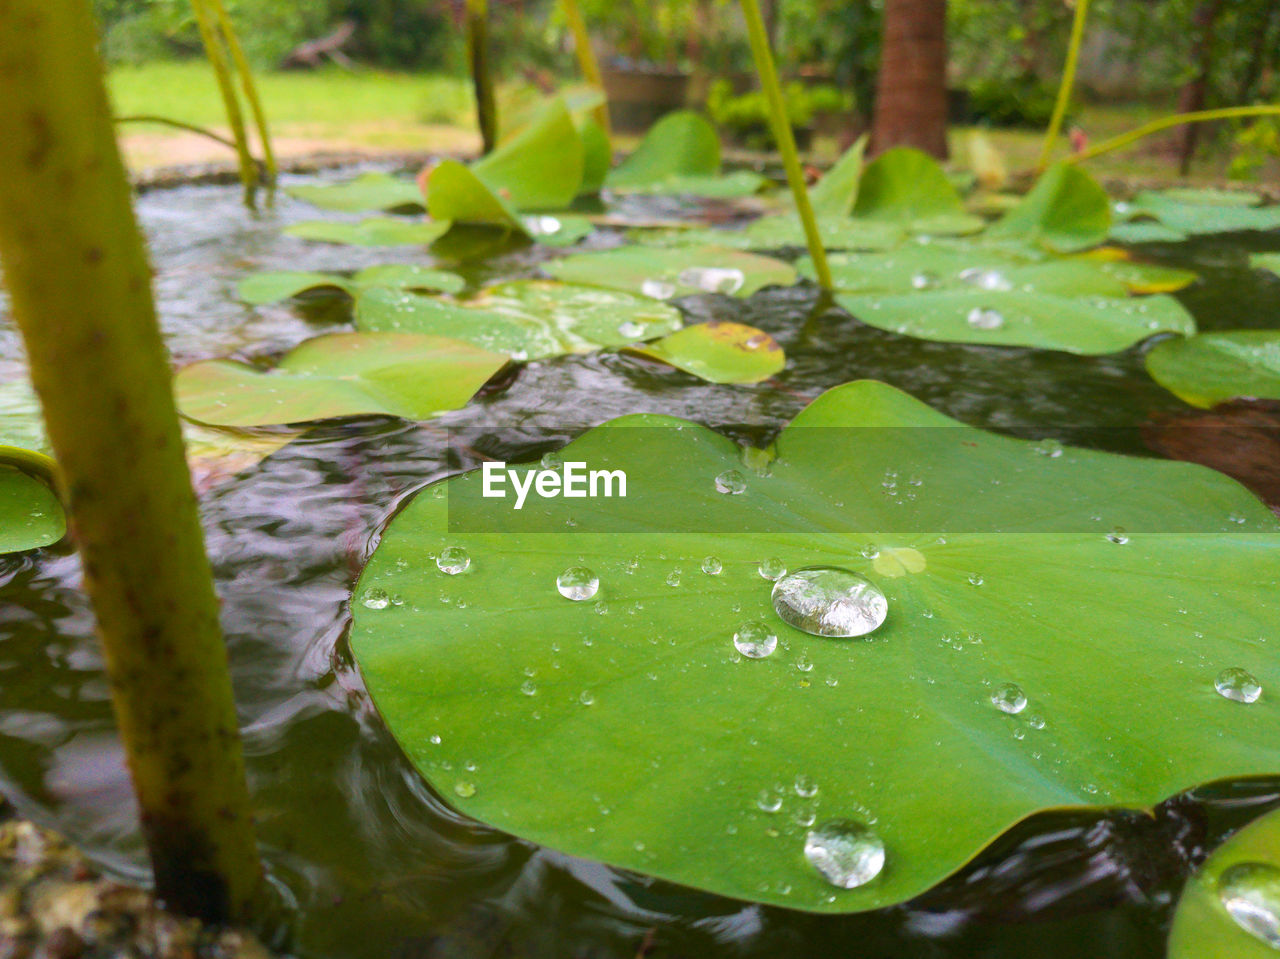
[338,375]
[628,729]
[1231,908]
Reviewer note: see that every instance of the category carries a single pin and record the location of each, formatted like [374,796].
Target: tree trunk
[80,284]
[1195,91]
[911,96]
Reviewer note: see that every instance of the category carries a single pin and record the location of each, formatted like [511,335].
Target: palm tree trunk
[911,96]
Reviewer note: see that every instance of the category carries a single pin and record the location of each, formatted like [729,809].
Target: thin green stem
[1164,123]
[1065,87]
[481,72]
[180,125]
[250,88]
[783,136]
[80,288]
[586,58]
[226,86]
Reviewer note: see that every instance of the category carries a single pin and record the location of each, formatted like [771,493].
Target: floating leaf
[1088,325]
[835,193]
[1211,368]
[1066,210]
[368,191]
[277,285]
[456,194]
[337,375]
[1145,231]
[556,230]
[664,273]
[30,514]
[526,319]
[1230,909]
[1266,261]
[681,155]
[597,155]
[539,168]
[785,230]
[720,352]
[907,186]
[678,757]
[1181,214]
[378,231]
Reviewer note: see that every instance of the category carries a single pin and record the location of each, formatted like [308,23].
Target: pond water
[367,860]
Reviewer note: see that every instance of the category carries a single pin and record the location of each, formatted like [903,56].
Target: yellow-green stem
[1164,123]
[179,125]
[250,88]
[783,136]
[1065,87]
[213,49]
[79,284]
[481,72]
[587,59]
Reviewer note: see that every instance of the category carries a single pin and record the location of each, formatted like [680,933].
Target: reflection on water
[372,862]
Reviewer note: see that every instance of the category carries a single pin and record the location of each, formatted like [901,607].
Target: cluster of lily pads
[637,647]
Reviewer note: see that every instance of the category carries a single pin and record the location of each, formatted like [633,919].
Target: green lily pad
[368,191]
[836,192]
[597,155]
[780,230]
[1087,325]
[1266,261]
[907,186]
[338,375]
[556,230]
[377,231]
[1230,909]
[1202,196]
[669,754]
[1066,210]
[1212,368]
[30,514]
[1177,214]
[665,273]
[526,319]
[277,285]
[456,194]
[1145,231]
[681,155]
[720,352]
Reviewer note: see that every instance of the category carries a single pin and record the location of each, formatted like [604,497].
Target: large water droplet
[1250,892]
[732,482]
[845,852]
[772,569]
[829,601]
[375,597]
[711,565]
[982,318]
[713,279]
[658,289]
[985,279]
[577,583]
[1009,698]
[1238,684]
[755,640]
[453,560]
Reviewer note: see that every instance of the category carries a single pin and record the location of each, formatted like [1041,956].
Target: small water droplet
[711,565]
[542,225]
[578,583]
[453,560]
[1009,698]
[551,461]
[829,601]
[528,688]
[1048,447]
[376,598]
[845,852]
[769,800]
[772,569]
[986,279]
[658,289]
[755,640]
[1238,684]
[731,482]
[673,577]
[804,663]
[924,280]
[975,579]
[586,697]
[983,318]
[464,789]
[631,330]
[1250,892]
[805,787]
[1118,536]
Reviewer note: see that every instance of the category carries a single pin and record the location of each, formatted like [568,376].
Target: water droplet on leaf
[982,318]
[731,482]
[755,640]
[453,560]
[829,601]
[1238,684]
[1250,892]
[376,598]
[577,583]
[1009,698]
[846,853]
[772,569]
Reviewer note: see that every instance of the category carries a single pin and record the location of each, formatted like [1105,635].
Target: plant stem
[79,281]
[1164,123]
[481,75]
[783,136]
[587,59]
[180,125]
[235,118]
[250,88]
[1065,87]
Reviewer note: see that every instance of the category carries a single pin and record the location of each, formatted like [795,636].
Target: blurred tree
[911,94]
